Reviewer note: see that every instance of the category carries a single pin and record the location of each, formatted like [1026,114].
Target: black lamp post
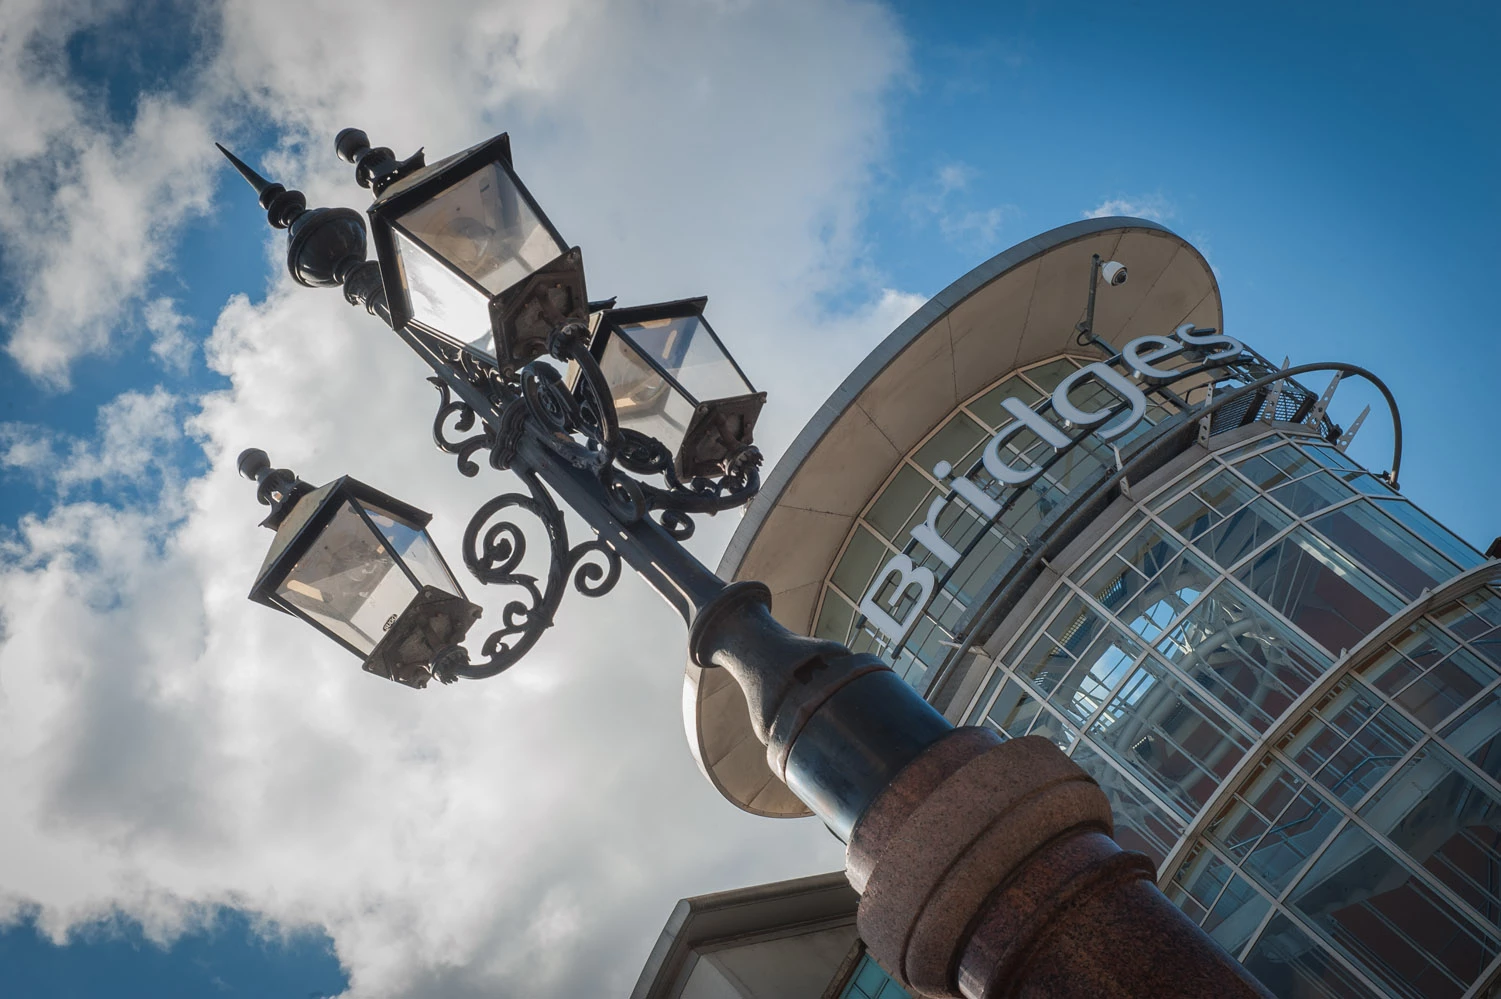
[652,426]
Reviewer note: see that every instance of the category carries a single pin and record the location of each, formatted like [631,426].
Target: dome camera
[1114,272]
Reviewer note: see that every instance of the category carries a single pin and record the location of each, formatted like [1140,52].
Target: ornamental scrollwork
[480,410]
[494,551]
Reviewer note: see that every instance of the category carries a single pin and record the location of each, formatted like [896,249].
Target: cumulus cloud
[166,746]
[1147,206]
[88,204]
[135,431]
[170,343]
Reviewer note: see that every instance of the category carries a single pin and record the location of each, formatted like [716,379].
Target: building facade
[1124,530]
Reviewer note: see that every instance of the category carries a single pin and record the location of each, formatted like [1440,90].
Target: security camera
[1114,272]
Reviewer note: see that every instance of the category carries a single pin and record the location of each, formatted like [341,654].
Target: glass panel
[645,400]
[1242,532]
[1047,376]
[1371,907]
[1201,877]
[1308,495]
[348,582]
[1169,736]
[862,557]
[1149,551]
[485,227]
[1279,465]
[954,443]
[1014,711]
[415,548]
[870,981]
[1427,673]
[443,300]
[1141,823]
[1329,457]
[1103,656]
[1443,818]
[988,406]
[1476,734]
[1388,550]
[834,618]
[1252,663]
[1432,532]
[685,348]
[1300,830]
[1236,915]
[1370,753]
[1319,590]
[904,499]
[1472,615]
[1293,966]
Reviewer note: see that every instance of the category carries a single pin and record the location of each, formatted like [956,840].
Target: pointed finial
[261,184]
[282,206]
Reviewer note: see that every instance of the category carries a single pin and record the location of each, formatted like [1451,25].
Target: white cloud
[1147,206]
[170,343]
[135,430]
[88,206]
[166,746]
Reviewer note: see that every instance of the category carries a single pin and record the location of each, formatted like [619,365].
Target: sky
[204,798]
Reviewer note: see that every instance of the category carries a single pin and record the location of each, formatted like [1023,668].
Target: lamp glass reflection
[348,583]
[686,350]
[645,399]
[415,549]
[442,299]
[486,228]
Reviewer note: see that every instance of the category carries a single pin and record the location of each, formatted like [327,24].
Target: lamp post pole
[986,868]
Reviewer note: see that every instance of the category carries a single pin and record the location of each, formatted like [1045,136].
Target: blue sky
[818,169]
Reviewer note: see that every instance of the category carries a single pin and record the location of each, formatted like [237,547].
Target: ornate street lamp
[359,566]
[475,279]
[466,252]
[671,379]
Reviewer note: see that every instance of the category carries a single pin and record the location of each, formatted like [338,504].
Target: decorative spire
[282,206]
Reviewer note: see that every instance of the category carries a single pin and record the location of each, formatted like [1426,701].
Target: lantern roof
[437,177]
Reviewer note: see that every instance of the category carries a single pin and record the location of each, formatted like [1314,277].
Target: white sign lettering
[1139,356]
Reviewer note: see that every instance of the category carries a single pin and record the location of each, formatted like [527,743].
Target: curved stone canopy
[1018,307]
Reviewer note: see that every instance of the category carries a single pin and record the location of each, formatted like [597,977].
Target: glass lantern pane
[416,549]
[443,300]
[685,349]
[645,401]
[348,582]
[485,227]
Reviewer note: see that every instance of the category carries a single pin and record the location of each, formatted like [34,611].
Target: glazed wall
[1333,819]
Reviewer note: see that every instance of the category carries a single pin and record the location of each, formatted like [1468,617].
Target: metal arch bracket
[1349,435]
[1274,396]
[1322,406]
